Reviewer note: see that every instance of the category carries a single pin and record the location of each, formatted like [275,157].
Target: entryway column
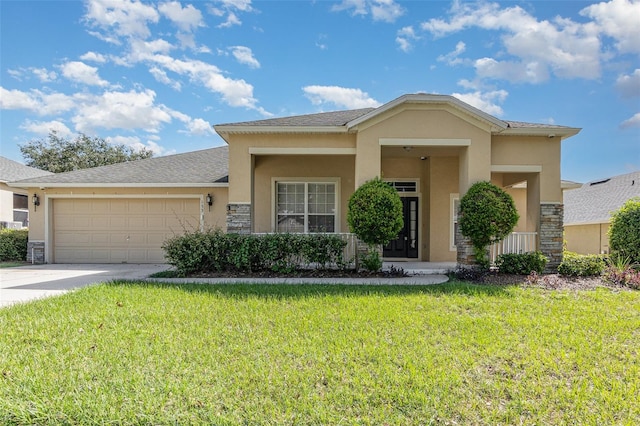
[239,208]
[368,159]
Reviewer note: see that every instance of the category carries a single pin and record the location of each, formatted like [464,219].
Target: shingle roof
[12,170]
[197,167]
[524,125]
[334,118]
[594,201]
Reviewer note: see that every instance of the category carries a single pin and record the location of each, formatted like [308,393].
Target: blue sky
[160,74]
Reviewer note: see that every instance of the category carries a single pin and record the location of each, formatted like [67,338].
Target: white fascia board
[423,142]
[549,132]
[515,168]
[301,151]
[119,185]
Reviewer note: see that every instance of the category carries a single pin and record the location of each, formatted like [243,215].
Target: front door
[406,244]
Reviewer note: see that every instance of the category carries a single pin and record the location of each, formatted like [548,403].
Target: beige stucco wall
[587,239]
[444,182]
[304,167]
[240,160]
[6,203]
[216,218]
[532,151]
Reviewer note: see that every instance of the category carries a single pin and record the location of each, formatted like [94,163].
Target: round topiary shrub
[375,214]
[624,232]
[487,215]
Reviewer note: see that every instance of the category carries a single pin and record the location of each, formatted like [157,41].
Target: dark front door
[406,244]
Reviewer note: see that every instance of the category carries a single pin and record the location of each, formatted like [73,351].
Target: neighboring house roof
[208,167]
[345,121]
[594,201]
[12,170]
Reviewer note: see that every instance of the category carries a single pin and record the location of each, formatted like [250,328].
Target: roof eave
[550,132]
[119,185]
[226,129]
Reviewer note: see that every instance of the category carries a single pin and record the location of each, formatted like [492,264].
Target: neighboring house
[296,174]
[14,202]
[587,211]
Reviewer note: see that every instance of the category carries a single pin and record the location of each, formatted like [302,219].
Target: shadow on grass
[282,291]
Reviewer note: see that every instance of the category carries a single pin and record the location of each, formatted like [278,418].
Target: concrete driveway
[31,282]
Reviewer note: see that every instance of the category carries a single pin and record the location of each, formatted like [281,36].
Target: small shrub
[621,273]
[216,251]
[579,265]
[371,261]
[521,263]
[13,244]
[469,273]
[624,233]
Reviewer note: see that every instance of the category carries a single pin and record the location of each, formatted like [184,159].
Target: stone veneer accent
[35,252]
[551,229]
[239,218]
[465,255]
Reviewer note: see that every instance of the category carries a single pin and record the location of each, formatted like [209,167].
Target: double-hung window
[306,207]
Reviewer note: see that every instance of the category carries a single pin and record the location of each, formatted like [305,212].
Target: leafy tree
[624,232]
[57,154]
[487,215]
[375,216]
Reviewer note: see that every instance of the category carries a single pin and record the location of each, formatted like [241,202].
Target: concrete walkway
[25,283]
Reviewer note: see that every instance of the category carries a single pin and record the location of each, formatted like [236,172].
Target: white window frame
[306,181]
[453,220]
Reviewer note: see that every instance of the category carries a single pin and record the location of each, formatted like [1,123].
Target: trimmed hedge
[13,244]
[521,263]
[582,265]
[216,251]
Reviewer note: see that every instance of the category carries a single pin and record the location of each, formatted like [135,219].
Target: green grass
[12,264]
[132,353]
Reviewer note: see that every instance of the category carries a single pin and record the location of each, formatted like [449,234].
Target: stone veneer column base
[35,252]
[551,230]
[239,218]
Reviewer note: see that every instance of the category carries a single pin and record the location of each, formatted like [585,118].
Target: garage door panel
[119,230]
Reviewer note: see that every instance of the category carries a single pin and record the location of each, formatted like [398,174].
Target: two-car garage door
[119,230]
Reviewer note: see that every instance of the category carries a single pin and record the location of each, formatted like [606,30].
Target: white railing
[516,242]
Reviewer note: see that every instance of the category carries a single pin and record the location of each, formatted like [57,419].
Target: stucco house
[588,209]
[14,202]
[295,174]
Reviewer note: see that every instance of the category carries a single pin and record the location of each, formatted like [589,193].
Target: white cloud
[631,122]
[230,8]
[200,127]
[186,18]
[46,127]
[617,19]
[119,110]
[232,19]
[629,85]
[94,57]
[80,72]
[44,75]
[340,96]
[126,18]
[244,55]
[452,58]
[566,48]
[162,77]
[380,10]
[404,37]
[485,101]
[36,101]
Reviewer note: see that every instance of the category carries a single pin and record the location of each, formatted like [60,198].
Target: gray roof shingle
[197,167]
[334,118]
[12,170]
[594,201]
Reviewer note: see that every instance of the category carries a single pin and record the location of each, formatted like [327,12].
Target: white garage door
[119,230]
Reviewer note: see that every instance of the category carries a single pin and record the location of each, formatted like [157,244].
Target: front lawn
[144,353]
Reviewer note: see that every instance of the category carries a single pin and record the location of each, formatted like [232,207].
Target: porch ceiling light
[407,148]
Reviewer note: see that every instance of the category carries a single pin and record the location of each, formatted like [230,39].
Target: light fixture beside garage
[209,200]
[36,201]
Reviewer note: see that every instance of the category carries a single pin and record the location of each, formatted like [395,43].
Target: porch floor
[421,268]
